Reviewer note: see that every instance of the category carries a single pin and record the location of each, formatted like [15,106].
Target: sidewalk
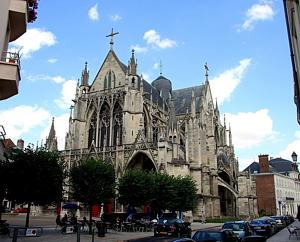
[283,235]
[52,235]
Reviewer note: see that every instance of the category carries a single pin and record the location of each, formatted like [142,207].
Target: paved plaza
[51,234]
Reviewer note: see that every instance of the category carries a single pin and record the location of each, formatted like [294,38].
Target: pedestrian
[202,216]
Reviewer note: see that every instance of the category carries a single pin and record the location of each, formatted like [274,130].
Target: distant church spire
[51,141]
[85,76]
[132,64]
[206,71]
[160,68]
[111,35]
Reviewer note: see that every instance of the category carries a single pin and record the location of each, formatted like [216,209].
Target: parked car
[262,227]
[225,235]
[240,228]
[20,210]
[172,226]
[280,221]
[289,219]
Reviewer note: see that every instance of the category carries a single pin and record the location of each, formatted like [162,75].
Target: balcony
[17,18]
[9,74]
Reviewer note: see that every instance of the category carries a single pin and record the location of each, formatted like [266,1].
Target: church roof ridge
[189,88]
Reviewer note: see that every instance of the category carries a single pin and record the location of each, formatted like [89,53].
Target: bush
[221,220]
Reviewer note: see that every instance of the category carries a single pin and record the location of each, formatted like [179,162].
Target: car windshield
[234,226]
[207,235]
[258,222]
[169,221]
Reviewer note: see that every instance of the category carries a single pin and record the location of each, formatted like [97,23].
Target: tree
[138,181]
[3,182]
[34,177]
[185,198]
[163,191]
[93,182]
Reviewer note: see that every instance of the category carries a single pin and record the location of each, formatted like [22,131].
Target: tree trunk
[91,222]
[27,215]
[1,208]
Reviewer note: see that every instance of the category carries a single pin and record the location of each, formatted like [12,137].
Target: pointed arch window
[92,129]
[109,80]
[104,125]
[117,125]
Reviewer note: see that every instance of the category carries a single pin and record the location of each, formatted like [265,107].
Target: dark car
[280,221]
[262,227]
[288,219]
[172,226]
[240,228]
[225,235]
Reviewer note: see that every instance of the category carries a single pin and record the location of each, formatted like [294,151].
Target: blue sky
[244,43]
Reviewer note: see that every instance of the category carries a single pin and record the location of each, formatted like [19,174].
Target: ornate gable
[110,75]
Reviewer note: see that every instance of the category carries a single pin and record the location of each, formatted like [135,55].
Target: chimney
[263,163]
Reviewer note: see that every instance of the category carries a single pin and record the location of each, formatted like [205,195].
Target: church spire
[206,72]
[85,76]
[132,66]
[51,141]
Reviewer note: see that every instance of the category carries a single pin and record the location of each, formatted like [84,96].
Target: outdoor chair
[292,232]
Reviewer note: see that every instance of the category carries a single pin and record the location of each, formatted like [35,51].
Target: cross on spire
[111,35]
[206,70]
[160,67]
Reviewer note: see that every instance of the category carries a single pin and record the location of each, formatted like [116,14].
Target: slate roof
[283,165]
[183,99]
[277,165]
[156,98]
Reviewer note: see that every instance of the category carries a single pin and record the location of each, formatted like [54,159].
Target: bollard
[93,236]
[15,235]
[78,233]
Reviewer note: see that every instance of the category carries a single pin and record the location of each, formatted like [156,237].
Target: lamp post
[294,156]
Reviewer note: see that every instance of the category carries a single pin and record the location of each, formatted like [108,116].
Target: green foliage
[34,176]
[161,190]
[185,198]
[3,182]
[134,188]
[221,220]
[93,182]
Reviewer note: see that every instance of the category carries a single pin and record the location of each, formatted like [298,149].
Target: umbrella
[70,206]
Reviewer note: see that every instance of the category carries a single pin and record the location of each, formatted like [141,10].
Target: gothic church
[131,123]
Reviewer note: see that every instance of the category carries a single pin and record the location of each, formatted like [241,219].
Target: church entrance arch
[228,198]
[141,161]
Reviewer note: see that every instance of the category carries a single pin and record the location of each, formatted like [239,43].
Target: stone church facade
[123,119]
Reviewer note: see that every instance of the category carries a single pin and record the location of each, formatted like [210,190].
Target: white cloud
[139,49]
[153,38]
[33,40]
[146,76]
[293,146]
[115,17]
[258,12]
[68,93]
[223,85]
[251,129]
[156,65]
[52,60]
[56,79]
[93,12]
[21,120]
[61,125]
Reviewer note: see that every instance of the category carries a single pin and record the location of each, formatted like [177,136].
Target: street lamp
[294,156]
